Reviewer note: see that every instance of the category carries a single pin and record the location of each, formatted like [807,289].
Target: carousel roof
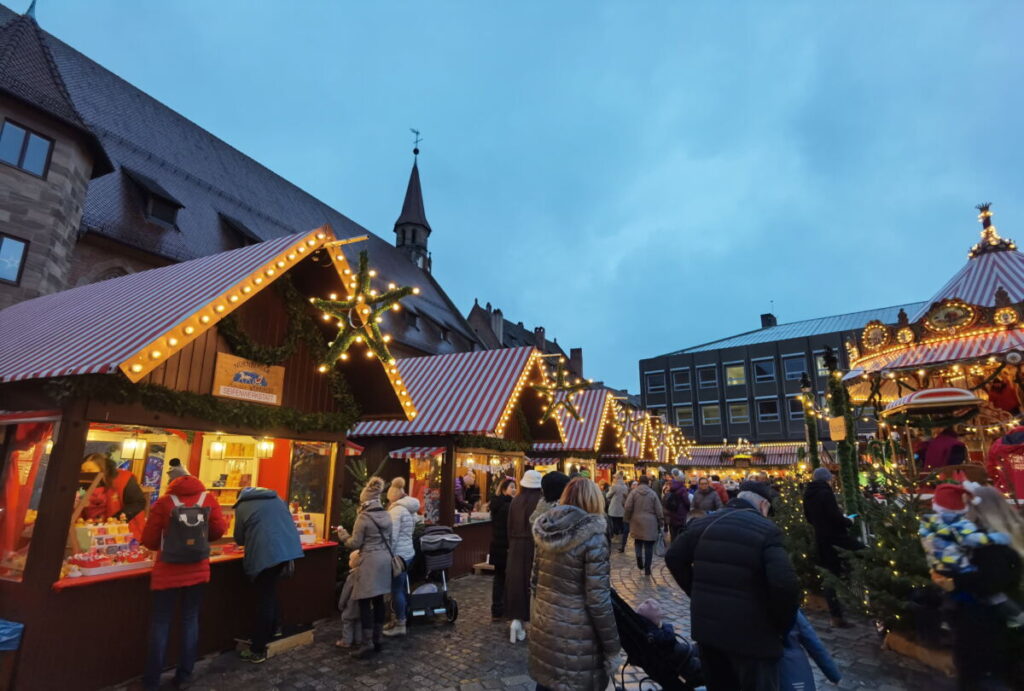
[977,282]
[595,408]
[933,399]
[463,393]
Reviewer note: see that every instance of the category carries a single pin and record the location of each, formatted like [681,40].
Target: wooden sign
[246,380]
[837,428]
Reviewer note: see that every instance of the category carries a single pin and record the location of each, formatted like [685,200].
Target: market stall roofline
[417,452]
[146,317]
[776,454]
[462,393]
[594,407]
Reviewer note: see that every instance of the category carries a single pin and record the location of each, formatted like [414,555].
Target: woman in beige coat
[573,638]
[645,516]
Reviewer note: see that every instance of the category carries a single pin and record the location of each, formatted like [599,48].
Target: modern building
[98,180]
[744,386]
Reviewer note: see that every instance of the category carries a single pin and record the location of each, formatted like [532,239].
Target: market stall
[733,462]
[476,412]
[589,433]
[116,379]
[631,427]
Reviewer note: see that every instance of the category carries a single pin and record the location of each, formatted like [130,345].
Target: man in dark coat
[743,591]
[520,553]
[677,504]
[830,531]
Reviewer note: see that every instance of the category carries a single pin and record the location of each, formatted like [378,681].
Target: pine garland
[478,441]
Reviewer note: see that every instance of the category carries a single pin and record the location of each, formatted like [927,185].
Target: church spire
[412,230]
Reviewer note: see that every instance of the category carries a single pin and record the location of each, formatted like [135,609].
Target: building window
[767,411]
[655,382]
[711,415]
[796,409]
[739,413]
[794,367]
[764,371]
[684,417]
[681,380]
[735,375]
[707,377]
[13,252]
[446,335]
[411,320]
[25,149]
[820,366]
[657,412]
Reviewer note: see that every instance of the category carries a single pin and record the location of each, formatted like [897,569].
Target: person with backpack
[181,526]
[264,526]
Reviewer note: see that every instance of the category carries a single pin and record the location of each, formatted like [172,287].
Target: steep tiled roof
[210,179]
[852,321]
[412,208]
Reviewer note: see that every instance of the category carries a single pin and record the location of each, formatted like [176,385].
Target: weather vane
[416,141]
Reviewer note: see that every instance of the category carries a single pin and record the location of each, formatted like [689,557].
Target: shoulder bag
[397,563]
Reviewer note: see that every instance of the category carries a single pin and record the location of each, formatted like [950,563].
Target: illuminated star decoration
[359,316]
[564,386]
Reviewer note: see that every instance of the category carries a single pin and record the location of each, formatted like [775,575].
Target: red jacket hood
[186,486]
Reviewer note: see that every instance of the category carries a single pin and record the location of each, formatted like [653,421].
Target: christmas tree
[797,533]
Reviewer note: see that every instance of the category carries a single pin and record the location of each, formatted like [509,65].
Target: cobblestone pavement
[475,654]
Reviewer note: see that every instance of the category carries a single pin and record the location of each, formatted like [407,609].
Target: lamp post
[810,422]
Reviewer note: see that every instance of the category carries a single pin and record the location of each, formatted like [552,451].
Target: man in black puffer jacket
[830,531]
[743,591]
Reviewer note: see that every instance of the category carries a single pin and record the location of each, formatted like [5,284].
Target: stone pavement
[475,654]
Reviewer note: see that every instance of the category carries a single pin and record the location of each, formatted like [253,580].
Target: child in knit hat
[349,607]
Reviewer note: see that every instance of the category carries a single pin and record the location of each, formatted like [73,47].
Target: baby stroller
[437,544]
[673,665]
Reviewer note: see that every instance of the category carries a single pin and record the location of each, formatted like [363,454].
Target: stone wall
[46,212]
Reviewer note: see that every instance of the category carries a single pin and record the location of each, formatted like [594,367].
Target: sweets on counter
[306,526]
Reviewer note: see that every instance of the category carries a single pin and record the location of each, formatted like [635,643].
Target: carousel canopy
[469,393]
[933,400]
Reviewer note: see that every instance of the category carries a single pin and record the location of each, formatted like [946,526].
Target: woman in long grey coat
[645,515]
[520,554]
[617,503]
[573,637]
[371,535]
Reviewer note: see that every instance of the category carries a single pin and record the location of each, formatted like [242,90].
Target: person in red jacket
[172,581]
[716,484]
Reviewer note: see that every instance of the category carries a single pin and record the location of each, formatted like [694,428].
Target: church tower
[411,229]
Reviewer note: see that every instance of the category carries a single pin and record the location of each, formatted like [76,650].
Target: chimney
[768,319]
[539,339]
[576,361]
[498,326]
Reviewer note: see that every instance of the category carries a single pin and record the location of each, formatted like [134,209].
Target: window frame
[701,384]
[793,358]
[24,148]
[689,379]
[693,419]
[820,369]
[655,373]
[731,365]
[762,379]
[763,418]
[734,421]
[21,264]
[703,418]
[793,414]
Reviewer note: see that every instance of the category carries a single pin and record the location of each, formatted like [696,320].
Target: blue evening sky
[636,177]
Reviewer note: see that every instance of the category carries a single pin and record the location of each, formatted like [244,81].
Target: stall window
[26,456]
[425,485]
[310,480]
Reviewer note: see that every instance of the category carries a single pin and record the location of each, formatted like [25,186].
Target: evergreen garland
[479,441]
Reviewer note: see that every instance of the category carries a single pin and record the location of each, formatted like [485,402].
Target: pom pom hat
[372,490]
[949,498]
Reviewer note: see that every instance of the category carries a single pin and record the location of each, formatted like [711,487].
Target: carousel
[946,381]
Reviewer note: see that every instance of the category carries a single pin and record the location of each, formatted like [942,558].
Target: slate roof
[412,208]
[210,178]
[853,321]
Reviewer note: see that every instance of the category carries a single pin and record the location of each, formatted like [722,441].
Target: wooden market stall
[479,412]
[217,362]
[735,462]
[594,433]
[631,427]
[969,336]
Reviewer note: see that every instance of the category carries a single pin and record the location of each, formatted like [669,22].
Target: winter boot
[367,648]
[378,630]
[397,630]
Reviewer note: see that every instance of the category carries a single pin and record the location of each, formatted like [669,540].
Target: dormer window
[411,320]
[25,149]
[161,206]
[241,233]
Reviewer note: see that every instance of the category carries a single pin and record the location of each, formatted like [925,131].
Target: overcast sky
[637,177]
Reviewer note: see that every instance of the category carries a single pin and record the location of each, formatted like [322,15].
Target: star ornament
[360,315]
[560,393]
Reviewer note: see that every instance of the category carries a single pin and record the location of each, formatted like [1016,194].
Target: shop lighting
[133,448]
[217,450]
[264,448]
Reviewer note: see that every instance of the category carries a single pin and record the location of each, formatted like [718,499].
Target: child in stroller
[652,645]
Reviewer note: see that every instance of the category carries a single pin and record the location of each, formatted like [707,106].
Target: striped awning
[353,449]
[417,452]
[779,454]
[583,434]
[771,454]
[542,461]
[946,350]
[706,457]
[977,282]
[460,393]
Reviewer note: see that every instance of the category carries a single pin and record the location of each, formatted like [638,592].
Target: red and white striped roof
[949,350]
[976,283]
[96,327]
[583,434]
[417,452]
[458,393]
[943,397]
[634,423]
[775,454]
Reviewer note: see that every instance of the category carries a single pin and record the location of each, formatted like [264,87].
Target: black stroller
[673,665]
[437,544]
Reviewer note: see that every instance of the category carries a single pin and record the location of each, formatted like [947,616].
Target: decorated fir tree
[797,533]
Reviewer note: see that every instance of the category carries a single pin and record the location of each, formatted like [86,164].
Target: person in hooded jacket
[644,513]
[617,506]
[573,637]
[173,581]
[705,498]
[264,526]
[520,554]
[403,510]
[676,503]
[831,530]
[371,535]
[499,544]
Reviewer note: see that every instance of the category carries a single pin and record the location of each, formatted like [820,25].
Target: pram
[437,544]
[673,665]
